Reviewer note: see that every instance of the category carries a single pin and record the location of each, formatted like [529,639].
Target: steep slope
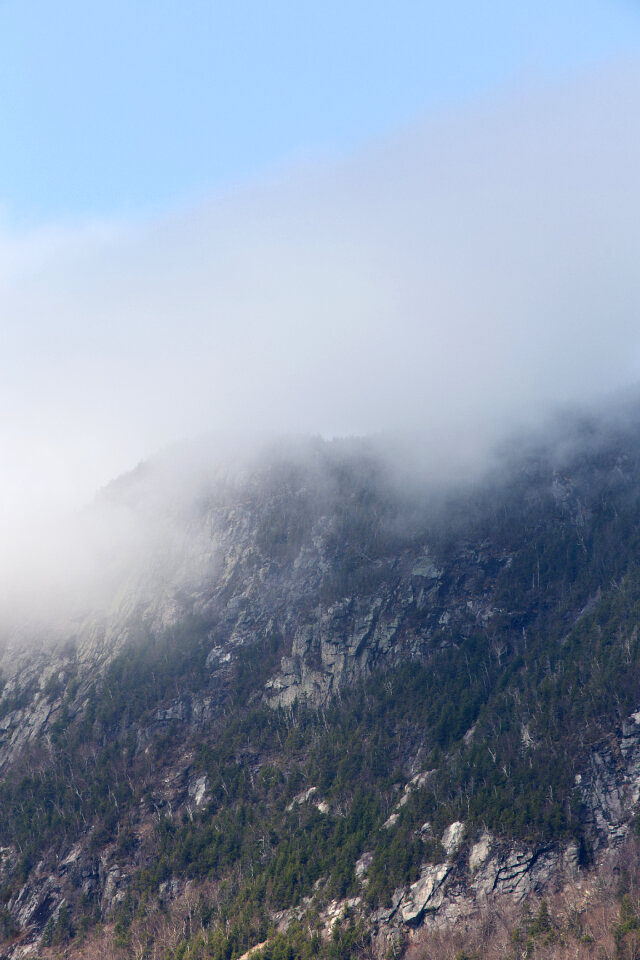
[322,706]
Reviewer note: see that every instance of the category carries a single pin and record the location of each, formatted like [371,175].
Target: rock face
[339,612]
[489,869]
[610,786]
[452,837]
[453,891]
[425,894]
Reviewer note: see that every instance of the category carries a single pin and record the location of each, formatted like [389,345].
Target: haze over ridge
[455,280]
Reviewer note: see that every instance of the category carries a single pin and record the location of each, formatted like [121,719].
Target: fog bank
[461,278]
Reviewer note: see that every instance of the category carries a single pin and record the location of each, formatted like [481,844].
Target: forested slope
[348,709]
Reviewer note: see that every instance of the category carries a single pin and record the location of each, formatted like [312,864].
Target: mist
[455,282]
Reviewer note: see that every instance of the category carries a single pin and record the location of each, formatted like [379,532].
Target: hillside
[335,710]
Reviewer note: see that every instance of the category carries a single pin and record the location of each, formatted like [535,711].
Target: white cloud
[454,279]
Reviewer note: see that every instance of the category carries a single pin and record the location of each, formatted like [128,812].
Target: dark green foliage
[627,930]
[8,927]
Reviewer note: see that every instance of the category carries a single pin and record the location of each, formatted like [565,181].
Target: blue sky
[131,106]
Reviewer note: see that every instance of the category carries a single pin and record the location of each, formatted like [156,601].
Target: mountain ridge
[335,707]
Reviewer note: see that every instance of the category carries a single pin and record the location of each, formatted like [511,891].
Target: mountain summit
[305,703]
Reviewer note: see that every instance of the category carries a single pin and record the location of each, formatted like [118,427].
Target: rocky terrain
[319,703]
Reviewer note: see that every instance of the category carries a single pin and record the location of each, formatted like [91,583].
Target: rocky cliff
[316,696]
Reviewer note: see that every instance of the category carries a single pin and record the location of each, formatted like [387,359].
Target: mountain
[311,702]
